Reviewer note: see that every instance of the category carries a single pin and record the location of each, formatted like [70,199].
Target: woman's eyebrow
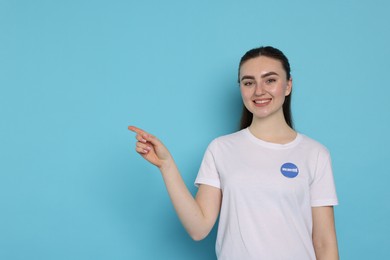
[247,77]
[271,73]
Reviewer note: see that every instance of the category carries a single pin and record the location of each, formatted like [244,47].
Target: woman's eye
[247,83]
[269,81]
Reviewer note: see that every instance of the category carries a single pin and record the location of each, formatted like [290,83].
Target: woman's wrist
[166,165]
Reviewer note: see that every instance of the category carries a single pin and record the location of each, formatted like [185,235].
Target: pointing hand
[150,148]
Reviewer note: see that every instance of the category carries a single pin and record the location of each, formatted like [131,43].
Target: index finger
[137,130]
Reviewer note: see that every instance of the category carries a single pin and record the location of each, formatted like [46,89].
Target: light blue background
[75,74]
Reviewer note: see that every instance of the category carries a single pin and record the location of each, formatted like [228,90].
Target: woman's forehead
[261,65]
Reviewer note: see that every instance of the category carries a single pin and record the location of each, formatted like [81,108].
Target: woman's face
[264,86]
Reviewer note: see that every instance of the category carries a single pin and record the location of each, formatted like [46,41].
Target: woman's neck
[272,130]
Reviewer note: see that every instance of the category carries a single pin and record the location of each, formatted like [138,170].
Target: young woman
[272,187]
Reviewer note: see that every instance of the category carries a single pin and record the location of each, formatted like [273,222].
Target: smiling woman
[272,187]
[277,56]
[264,86]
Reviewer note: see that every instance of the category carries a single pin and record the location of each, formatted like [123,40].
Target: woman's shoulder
[226,140]
[313,144]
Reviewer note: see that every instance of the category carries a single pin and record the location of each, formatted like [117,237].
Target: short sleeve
[208,173]
[322,189]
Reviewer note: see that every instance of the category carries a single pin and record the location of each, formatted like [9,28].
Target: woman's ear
[289,87]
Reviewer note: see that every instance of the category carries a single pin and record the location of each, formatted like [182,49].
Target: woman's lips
[262,102]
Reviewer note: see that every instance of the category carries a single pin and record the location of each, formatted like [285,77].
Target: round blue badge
[289,170]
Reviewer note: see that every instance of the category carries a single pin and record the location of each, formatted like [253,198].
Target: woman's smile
[262,102]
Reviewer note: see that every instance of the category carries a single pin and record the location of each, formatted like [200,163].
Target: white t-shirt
[268,191]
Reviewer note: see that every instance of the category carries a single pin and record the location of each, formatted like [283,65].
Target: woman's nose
[259,89]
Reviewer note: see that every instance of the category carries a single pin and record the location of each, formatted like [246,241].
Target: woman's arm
[324,233]
[197,215]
